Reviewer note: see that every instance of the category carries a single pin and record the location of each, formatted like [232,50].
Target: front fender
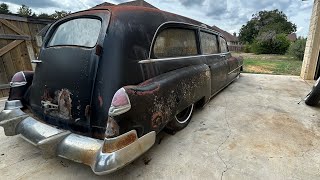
[156,101]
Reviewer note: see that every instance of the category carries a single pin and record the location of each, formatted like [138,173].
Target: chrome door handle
[36,61]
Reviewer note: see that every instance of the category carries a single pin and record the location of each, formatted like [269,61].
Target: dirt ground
[254,129]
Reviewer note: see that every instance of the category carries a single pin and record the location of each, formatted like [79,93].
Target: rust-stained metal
[112,129]
[65,103]
[114,144]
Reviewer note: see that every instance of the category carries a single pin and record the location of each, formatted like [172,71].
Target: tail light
[120,103]
[19,79]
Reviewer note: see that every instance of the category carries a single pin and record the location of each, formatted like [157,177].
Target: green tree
[25,11]
[269,42]
[265,21]
[297,48]
[60,14]
[44,15]
[4,8]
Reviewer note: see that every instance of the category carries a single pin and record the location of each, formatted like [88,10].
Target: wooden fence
[236,48]
[17,46]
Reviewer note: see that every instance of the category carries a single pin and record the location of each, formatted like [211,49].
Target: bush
[270,43]
[247,48]
[297,48]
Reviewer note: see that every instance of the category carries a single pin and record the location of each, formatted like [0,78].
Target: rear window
[223,45]
[77,32]
[175,42]
[209,43]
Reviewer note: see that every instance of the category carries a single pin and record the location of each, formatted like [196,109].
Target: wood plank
[3,75]
[31,54]
[5,92]
[12,17]
[11,26]
[9,68]
[15,37]
[1,96]
[16,58]
[25,57]
[10,46]
[4,86]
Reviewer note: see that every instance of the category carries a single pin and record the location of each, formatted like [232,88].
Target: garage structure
[311,62]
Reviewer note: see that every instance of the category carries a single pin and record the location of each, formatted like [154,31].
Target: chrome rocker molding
[78,148]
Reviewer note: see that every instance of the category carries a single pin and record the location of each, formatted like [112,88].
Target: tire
[180,121]
[313,98]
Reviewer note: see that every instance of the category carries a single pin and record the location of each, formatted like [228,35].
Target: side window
[175,42]
[209,43]
[223,45]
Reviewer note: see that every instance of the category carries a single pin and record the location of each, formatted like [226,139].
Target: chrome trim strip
[36,61]
[177,58]
[58,142]
[234,70]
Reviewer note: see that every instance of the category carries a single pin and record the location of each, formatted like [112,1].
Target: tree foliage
[297,48]
[25,11]
[270,42]
[266,21]
[4,8]
[60,14]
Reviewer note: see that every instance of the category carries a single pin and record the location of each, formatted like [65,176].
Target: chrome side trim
[57,142]
[234,70]
[36,61]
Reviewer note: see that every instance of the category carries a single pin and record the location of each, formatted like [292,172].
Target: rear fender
[156,101]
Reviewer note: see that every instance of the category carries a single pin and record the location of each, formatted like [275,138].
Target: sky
[228,15]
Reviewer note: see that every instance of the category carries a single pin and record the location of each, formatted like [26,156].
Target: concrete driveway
[254,129]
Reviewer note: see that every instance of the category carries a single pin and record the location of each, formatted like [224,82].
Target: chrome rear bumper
[57,142]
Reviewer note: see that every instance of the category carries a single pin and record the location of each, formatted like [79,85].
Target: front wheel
[181,120]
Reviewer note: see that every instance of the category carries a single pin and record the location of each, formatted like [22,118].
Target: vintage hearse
[108,79]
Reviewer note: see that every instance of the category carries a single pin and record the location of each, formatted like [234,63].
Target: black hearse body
[108,79]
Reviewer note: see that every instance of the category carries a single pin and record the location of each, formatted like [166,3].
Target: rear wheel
[180,121]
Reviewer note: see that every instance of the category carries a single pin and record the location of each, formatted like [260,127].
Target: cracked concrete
[254,129]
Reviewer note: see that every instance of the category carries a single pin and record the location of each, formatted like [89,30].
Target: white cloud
[229,15]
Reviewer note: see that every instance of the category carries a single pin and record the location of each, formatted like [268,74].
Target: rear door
[216,62]
[62,86]
[233,63]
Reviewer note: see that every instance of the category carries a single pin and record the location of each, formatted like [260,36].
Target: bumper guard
[57,142]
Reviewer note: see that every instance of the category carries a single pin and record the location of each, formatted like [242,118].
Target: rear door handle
[36,61]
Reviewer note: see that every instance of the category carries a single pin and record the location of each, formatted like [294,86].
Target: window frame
[227,47]
[175,26]
[55,26]
[217,39]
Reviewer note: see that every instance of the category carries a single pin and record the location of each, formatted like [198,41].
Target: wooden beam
[4,86]
[10,46]
[14,37]
[13,17]
[11,26]
[31,53]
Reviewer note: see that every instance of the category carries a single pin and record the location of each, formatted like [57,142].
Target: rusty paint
[64,103]
[156,120]
[119,143]
[112,128]
[100,100]
[87,111]
[46,95]
[88,156]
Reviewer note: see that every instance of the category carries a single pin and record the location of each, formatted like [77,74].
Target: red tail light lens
[120,103]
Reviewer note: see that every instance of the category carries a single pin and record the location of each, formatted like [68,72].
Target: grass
[270,64]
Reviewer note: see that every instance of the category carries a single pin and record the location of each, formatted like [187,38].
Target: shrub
[247,48]
[297,48]
[270,43]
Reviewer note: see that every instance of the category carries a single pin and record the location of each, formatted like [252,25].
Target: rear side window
[223,45]
[209,43]
[175,42]
[77,32]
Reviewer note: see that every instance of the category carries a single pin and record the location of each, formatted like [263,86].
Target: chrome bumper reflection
[56,142]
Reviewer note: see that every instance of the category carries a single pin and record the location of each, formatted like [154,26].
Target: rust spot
[64,103]
[156,120]
[87,111]
[46,95]
[112,128]
[100,100]
[87,157]
[119,143]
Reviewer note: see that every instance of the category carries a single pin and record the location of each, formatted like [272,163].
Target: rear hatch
[65,75]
